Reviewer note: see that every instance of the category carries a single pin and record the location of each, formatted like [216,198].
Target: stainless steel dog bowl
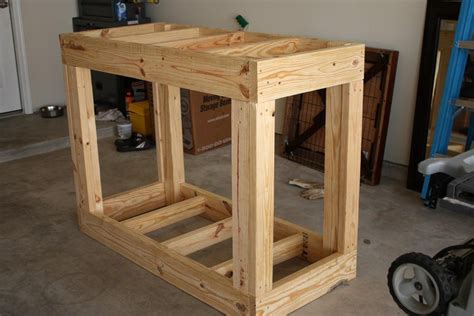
[50,111]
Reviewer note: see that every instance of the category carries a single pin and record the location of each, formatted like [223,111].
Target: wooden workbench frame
[253,69]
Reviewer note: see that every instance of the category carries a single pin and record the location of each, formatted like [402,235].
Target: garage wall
[391,24]
[43,21]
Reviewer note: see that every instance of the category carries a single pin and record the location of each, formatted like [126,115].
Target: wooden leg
[83,138]
[169,140]
[253,128]
[342,167]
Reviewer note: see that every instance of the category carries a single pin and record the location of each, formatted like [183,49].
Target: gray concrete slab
[47,267]
[24,136]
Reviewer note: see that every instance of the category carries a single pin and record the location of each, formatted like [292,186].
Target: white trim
[21,60]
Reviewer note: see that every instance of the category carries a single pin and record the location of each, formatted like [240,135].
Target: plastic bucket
[124,129]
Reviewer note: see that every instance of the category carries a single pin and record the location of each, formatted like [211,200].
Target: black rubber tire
[441,277]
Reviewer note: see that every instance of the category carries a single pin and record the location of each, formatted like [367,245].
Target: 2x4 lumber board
[253,132]
[125,30]
[172,34]
[167,215]
[283,250]
[134,202]
[271,48]
[312,242]
[219,208]
[265,48]
[308,284]
[195,70]
[207,41]
[342,167]
[140,29]
[70,98]
[158,37]
[201,238]
[180,271]
[83,135]
[308,71]
[169,139]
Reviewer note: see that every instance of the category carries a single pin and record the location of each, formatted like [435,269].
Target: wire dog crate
[304,134]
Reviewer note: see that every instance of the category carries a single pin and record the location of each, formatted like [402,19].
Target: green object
[242,21]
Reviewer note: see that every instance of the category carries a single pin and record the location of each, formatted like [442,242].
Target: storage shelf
[253,69]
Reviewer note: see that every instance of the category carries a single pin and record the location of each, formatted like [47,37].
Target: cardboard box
[206,121]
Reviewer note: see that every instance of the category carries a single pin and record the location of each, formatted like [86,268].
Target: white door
[9,86]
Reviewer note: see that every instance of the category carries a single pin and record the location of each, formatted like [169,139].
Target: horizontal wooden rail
[201,238]
[207,41]
[267,48]
[158,37]
[316,70]
[167,215]
[140,29]
[135,202]
[185,273]
[299,288]
[219,207]
[283,250]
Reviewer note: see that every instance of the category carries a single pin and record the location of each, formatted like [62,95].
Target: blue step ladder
[451,104]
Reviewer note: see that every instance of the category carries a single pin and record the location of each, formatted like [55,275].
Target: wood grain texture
[201,59]
[207,73]
[135,202]
[123,31]
[201,238]
[182,272]
[226,40]
[167,215]
[169,140]
[253,81]
[217,207]
[332,170]
[271,48]
[158,37]
[303,72]
[283,250]
[312,242]
[342,167]
[308,284]
[253,132]
[109,33]
[207,41]
[83,138]
[70,98]
[351,127]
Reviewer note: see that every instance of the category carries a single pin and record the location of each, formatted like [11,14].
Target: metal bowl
[50,111]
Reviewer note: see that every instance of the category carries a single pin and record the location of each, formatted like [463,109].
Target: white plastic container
[124,129]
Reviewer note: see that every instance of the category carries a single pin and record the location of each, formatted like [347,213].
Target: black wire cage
[303,134]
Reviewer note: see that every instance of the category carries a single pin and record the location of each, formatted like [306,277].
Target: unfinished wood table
[253,69]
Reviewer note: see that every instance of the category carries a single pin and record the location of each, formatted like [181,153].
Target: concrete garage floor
[28,135]
[47,267]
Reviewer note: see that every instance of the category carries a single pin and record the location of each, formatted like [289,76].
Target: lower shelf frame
[206,283]
[259,240]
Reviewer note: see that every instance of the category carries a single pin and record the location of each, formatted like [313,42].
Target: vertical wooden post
[83,139]
[169,140]
[342,167]
[253,141]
